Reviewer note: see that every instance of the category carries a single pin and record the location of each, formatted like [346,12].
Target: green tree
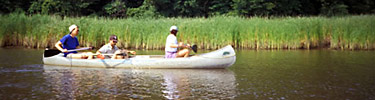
[8,6]
[286,7]
[220,7]
[188,8]
[60,7]
[134,3]
[116,8]
[360,6]
[253,7]
[145,10]
[165,7]
[310,7]
[333,8]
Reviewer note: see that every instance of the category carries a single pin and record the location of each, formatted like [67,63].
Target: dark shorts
[170,54]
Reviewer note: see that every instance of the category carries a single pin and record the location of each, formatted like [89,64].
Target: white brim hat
[173,28]
[71,27]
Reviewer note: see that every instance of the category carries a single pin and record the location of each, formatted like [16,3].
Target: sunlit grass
[350,32]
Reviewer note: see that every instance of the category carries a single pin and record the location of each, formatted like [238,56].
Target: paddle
[49,53]
[194,48]
[101,56]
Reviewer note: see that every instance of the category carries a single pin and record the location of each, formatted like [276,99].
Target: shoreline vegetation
[355,32]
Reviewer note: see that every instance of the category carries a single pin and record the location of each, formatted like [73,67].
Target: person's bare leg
[125,54]
[120,57]
[86,55]
[187,54]
[74,56]
[90,55]
[183,53]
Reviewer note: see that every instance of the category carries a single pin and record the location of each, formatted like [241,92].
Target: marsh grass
[350,32]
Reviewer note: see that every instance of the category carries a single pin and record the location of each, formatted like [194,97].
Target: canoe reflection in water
[86,83]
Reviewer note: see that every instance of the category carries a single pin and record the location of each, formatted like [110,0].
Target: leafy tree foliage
[62,7]
[116,8]
[8,6]
[188,8]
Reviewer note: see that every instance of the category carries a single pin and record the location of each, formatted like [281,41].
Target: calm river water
[264,74]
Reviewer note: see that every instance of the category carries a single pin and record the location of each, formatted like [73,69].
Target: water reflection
[88,83]
[280,74]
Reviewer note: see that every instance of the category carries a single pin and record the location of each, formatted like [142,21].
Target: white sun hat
[71,27]
[173,28]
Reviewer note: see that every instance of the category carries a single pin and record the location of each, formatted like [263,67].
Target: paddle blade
[50,53]
[194,48]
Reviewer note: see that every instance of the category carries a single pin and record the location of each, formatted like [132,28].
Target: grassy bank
[39,31]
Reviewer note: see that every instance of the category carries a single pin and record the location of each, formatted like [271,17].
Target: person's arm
[171,42]
[98,52]
[58,46]
[115,54]
[181,44]
[132,52]
[99,55]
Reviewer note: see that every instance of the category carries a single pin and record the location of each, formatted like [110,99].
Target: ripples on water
[279,75]
[57,82]
[315,74]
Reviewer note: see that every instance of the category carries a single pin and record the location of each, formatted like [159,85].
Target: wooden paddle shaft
[102,54]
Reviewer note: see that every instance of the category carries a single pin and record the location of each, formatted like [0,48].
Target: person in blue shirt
[69,42]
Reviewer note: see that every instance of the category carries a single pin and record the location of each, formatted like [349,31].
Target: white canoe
[221,58]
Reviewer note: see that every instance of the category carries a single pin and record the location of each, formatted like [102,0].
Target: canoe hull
[216,59]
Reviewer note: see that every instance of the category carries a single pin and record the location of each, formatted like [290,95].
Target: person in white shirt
[111,48]
[171,45]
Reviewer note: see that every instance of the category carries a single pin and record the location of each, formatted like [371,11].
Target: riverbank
[40,31]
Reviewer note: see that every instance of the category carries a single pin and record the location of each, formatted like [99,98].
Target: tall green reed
[350,32]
